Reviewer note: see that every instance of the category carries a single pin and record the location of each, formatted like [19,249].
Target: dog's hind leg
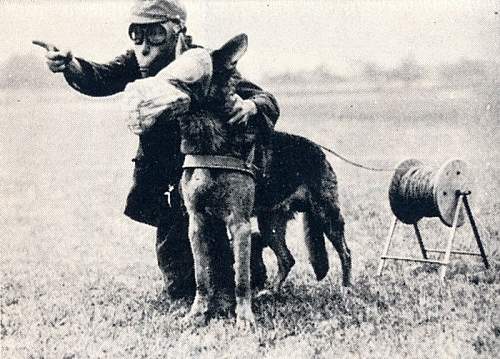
[272,227]
[334,230]
[200,309]
[315,244]
[241,233]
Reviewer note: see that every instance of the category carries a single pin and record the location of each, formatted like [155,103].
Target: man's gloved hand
[242,111]
[57,60]
[147,99]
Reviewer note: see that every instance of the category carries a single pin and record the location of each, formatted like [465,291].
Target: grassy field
[78,279]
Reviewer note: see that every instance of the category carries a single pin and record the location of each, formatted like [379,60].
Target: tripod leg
[420,241]
[387,245]
[447,254]
[476,232]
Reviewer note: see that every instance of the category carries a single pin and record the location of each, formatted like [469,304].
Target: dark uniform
[158,168]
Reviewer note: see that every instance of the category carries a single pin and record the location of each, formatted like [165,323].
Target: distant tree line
[321,75]
[408,72]
[29,71]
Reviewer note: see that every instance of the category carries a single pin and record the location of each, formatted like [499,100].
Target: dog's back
[295,162]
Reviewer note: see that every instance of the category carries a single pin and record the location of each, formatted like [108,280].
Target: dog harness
[220,162]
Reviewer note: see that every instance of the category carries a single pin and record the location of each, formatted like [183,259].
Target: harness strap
[219,162]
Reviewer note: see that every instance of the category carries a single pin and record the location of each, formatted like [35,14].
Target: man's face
[154,46]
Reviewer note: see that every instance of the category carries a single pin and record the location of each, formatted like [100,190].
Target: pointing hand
[57,60]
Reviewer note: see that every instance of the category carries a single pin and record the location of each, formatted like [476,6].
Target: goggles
[155,33]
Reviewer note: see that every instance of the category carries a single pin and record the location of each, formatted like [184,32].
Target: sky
[283,35]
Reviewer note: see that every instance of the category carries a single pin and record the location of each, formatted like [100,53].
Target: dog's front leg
[203,272]
[240,230]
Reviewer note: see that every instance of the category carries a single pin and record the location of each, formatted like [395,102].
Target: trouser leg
[257,267]
[175,258]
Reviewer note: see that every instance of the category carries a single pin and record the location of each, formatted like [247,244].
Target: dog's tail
[315,243]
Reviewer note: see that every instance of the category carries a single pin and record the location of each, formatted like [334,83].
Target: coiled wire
[411,193]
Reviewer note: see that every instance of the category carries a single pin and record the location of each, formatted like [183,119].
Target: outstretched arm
[91,78]
[95,79]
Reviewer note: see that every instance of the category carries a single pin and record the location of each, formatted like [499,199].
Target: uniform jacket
[158,162]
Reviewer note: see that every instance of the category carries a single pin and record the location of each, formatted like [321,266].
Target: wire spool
[418,191]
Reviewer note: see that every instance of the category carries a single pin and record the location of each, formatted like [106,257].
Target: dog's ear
[230,53]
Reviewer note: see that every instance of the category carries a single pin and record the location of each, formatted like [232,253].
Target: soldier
[158,33]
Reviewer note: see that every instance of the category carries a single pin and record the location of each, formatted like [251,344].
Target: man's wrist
[253,107]
[73,66]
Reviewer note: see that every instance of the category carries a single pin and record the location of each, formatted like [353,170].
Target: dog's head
[205,130]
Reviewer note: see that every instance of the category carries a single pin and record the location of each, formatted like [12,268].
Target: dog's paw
[198,314]
[194,320]
[245,319]
[246,323]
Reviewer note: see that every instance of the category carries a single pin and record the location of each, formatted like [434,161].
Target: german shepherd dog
[300,179]
[219,194]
